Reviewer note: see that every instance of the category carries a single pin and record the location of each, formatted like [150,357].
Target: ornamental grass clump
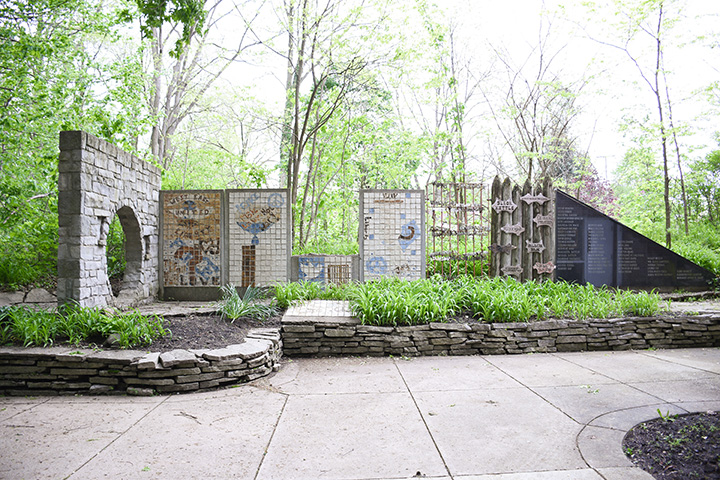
[250,305]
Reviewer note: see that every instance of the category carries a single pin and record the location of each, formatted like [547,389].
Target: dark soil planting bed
[677,447]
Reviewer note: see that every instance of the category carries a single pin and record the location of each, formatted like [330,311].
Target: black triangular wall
[591,247]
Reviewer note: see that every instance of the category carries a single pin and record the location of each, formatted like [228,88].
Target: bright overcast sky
[516,23]
[616,91]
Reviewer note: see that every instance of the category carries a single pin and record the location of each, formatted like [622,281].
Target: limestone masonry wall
[67,371]
[96,181]
[346,337]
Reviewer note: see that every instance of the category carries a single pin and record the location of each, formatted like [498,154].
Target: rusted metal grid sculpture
[458,230]
[522,236]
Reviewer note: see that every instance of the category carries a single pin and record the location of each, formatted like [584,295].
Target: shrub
[115,249]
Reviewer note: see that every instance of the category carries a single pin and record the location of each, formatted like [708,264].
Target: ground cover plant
[499,299]
[288,293]
[75,325]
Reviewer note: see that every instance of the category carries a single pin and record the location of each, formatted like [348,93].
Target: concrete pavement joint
[625,431]
[585,425]
[487,359]
[577,443]
[644,353]
[422,417]
[631,386]
[588,437]
[272,435]
[118,437]
[27,409]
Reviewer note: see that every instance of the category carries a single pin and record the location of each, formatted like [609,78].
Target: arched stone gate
[96,181]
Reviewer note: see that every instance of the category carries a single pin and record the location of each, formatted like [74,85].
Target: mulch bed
[207,331]
[677,447]
[195,331]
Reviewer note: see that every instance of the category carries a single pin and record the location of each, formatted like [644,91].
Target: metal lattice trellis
[457,229]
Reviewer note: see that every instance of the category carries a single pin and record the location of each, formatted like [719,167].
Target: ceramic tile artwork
[325,269]
[191,238]
[241,237]
[258,237]
[393,234]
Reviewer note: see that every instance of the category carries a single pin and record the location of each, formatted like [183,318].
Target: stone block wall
[96,181]
[349,337]
[392,234]
[66,371]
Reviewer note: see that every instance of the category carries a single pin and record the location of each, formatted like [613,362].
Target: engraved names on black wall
[593,248]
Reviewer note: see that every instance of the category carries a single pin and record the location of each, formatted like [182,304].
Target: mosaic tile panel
[392,237]
[325,269]
[258,247]
[191,238]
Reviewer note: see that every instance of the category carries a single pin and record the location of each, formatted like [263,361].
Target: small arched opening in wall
[124,252]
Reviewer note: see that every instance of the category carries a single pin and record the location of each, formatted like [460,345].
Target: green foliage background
[640,204]
[71,65]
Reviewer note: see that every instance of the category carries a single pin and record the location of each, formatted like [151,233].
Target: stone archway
[95,180]
[133,252]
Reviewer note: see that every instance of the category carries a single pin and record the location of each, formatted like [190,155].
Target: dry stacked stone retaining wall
[63,371]
[349,337]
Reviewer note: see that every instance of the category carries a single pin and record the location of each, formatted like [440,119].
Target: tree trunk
[155,135]
[663,134]
[286,128]
[679,160]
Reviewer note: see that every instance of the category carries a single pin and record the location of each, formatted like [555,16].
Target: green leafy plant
[5,325]
[76,324]
[79,324]
[643,304]
[134,328]
[666,417]
[34,327]
[675,441]
[499,299]
[250,305]
[590,389]
[115,249]
[290,293]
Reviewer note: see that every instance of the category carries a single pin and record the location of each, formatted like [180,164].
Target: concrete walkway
[542,416]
